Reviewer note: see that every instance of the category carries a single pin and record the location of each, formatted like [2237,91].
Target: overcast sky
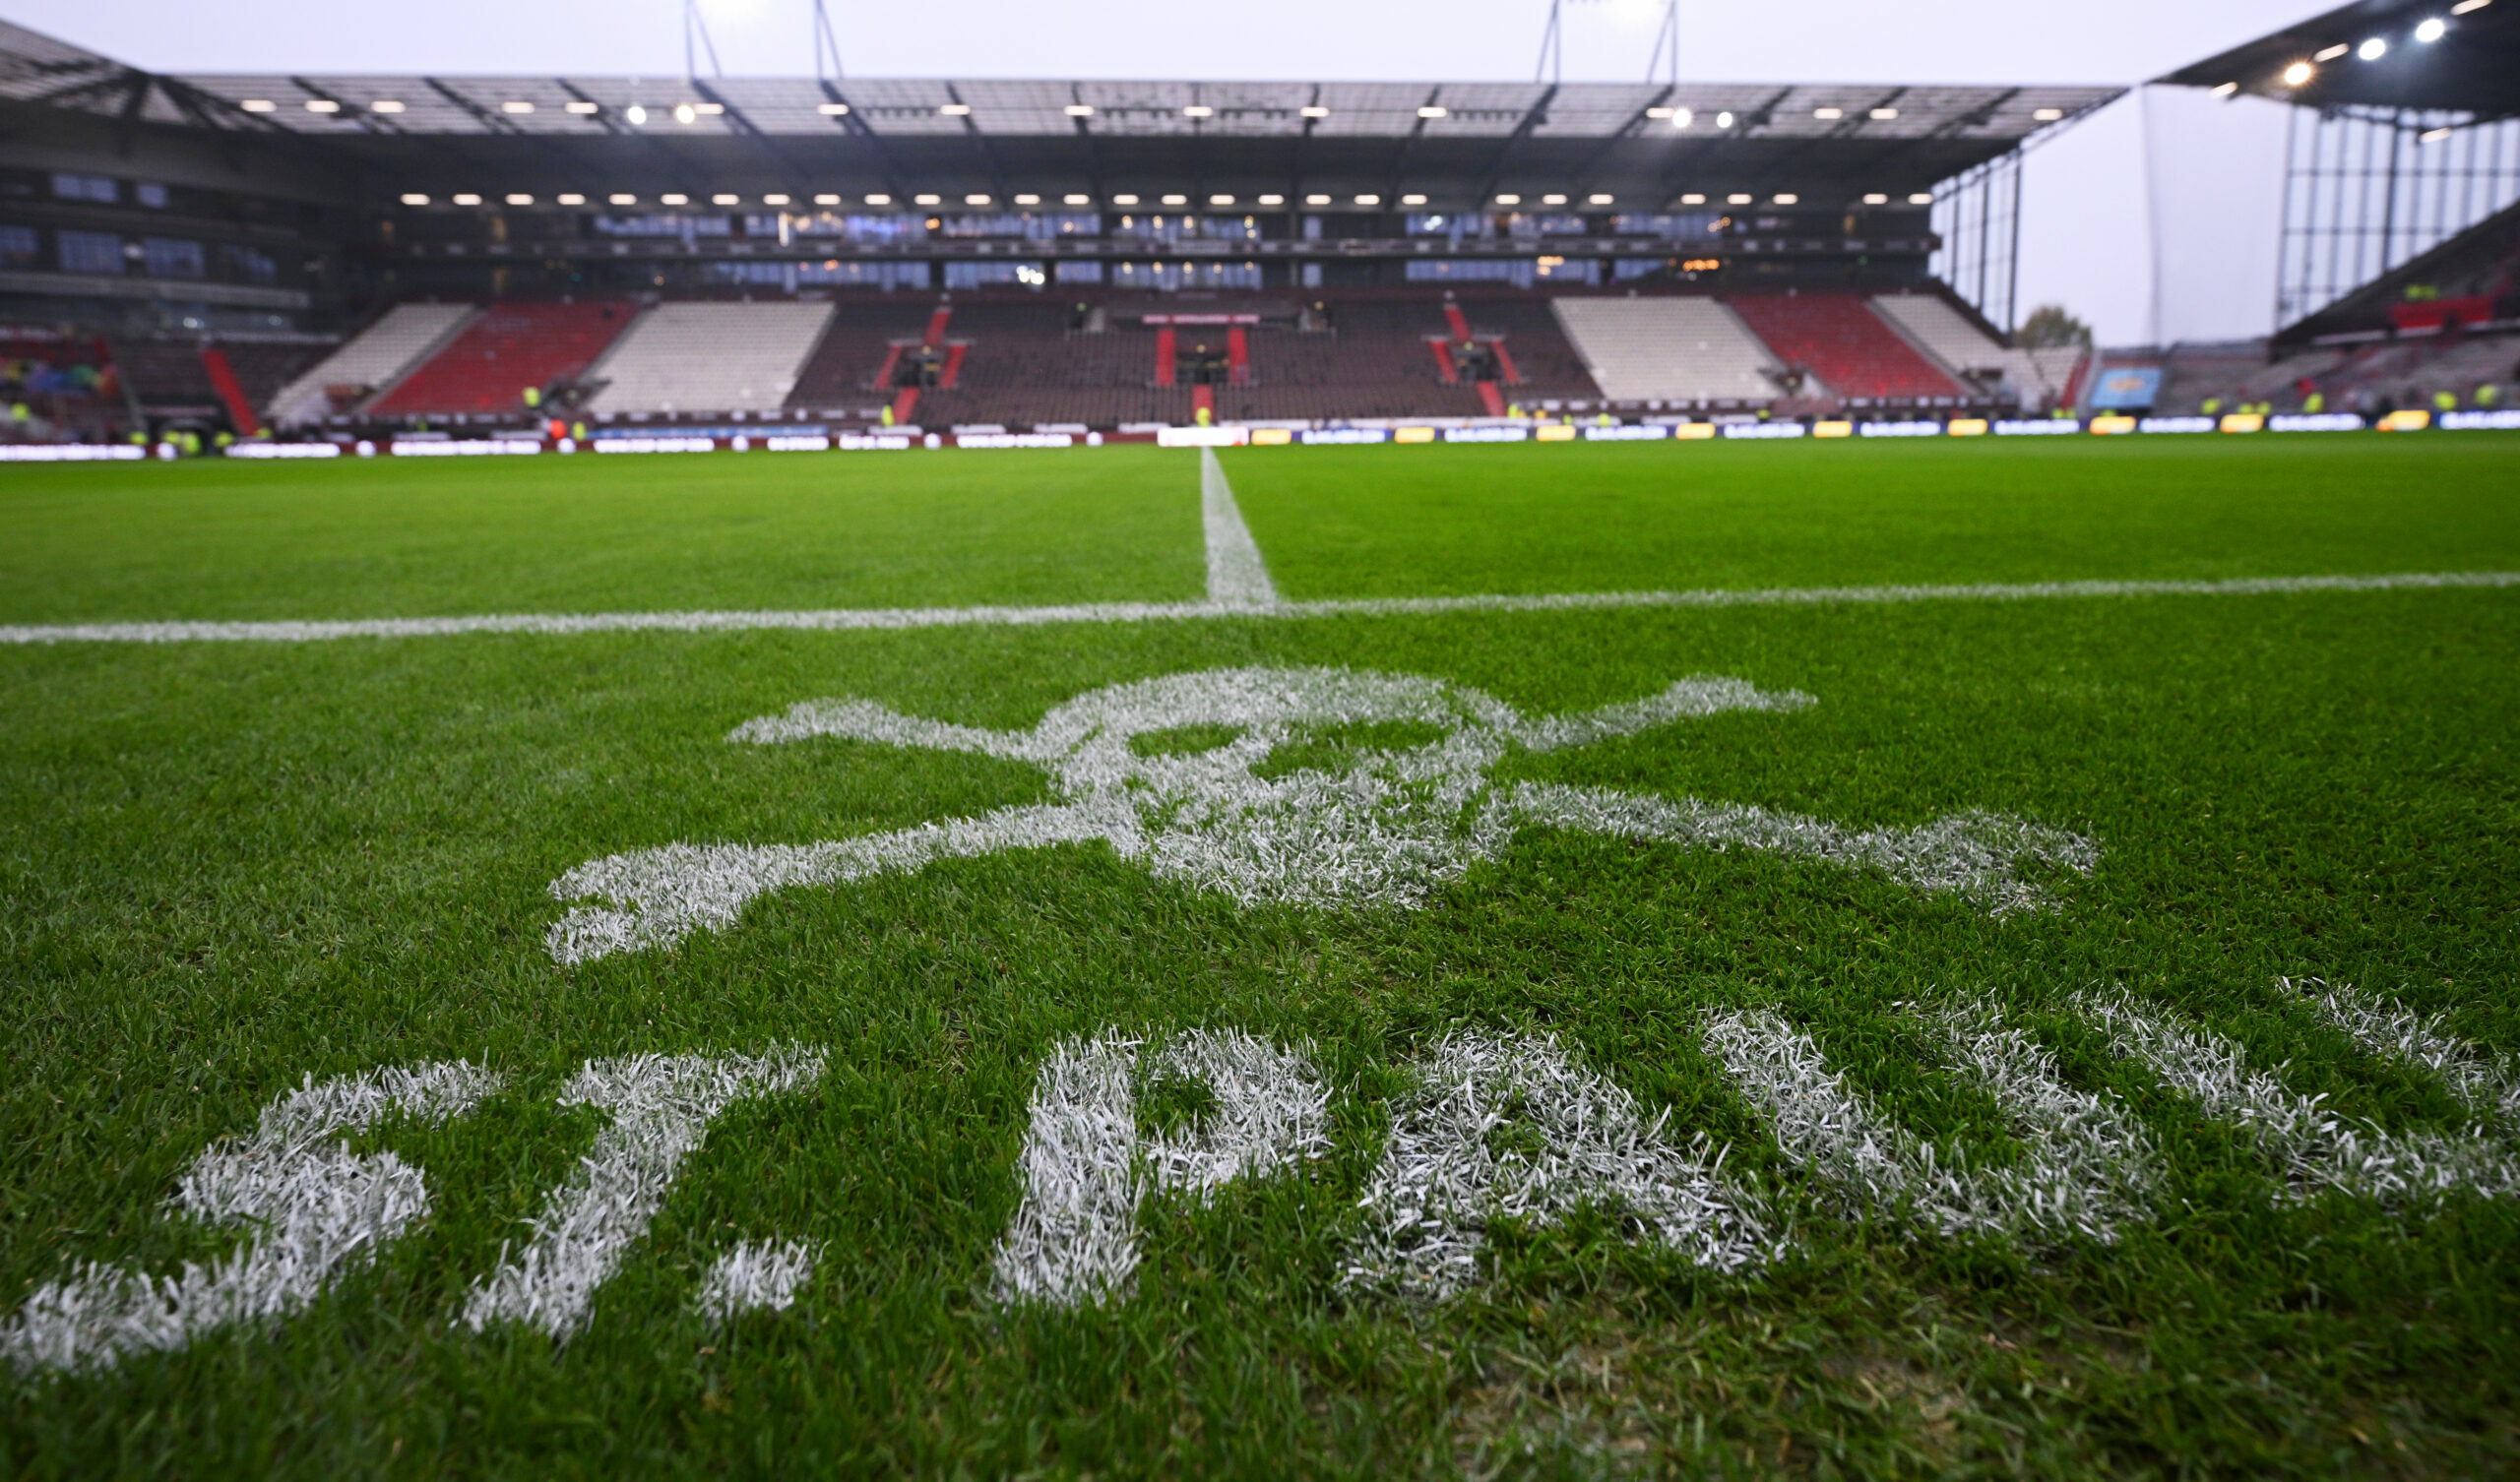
[2086,230]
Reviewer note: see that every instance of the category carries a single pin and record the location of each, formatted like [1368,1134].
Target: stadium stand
[511,347]
[839,376]
[379,357]
[708,359]
[1690,350]
[1541,363]
[1838,339]
[173,375]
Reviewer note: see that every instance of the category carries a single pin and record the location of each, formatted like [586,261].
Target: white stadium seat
[1668,350]
[709,357]
[387,352]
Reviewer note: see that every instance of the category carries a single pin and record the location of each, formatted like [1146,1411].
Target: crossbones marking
[1382,828]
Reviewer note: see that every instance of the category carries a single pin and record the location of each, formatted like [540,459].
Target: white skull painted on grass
[1308,786]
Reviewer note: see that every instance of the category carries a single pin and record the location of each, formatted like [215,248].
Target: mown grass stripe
[845,618]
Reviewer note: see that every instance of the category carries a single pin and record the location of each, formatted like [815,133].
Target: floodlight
[2333,53]
[1370,199]
[1658,113]
[2047,115]
[583,109]
[976,200]
[1080,110]
[1692,199]
[570,198]
[1509,200]
[1553,200]
[956,110]
[2464,5]
[1682,118]
[1124,200]
[1316,200]
[1220,200]
[1921,197]
[1788,197]
[1315,111]
[2226,89]
[516,105]
[2434,136]
[684,113]
[725,199]
[927,200]
[1079,200]
[1431,111]
[1828,113]
[2432,29]
[674,198]
[322,106]
[621,198]
[1600,200]
[259,105]
[1724,120]
[2373,50]
[1028,199]
[384,105]
[1876,199]
[2298,72]
[1273,199]
[826,200]
[1412,200]
[636,114]
[1177,200]
[1198,110]
[766,200]
[832,110]
[467,198]
[1884,115]
[414,197]
[879,200]
[1738,199]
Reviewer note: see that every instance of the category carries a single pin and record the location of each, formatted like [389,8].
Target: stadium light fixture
[1315,111]
[259,105]
[516,105]
[1883,116]
[2299,74]
[636,114]
[1597,199]
[322,106]
[1078,111]
[1412,200]
[1788,197]
[581,107]
[1316,200]
[1432,111]
[2434,136]
[2047,115]
[1198,110]
[1273,199]
[707,110]
[832,110]
[2226,89]
[1028,199]
[1124,200]
[2332,53]
[1553,200]
[976,199]
[1738,199]
[724,197]
[879,200]
[956,110]
[2466,6]
[1509,200]
[1658,113]
[1828,113]
[927,200]
[1692,199]
[1921,197]
[384,105]
[1370,199]
[1876,198]
[414,197]
[770,200]
[826,199]
[518,197]
[467,198]
[2373,50]
[570,198]
[685,114]
[1682,118]
[674,198]
[1177,200]
[1724,120]
[1220,200]
[2431,28]
[621,198]
[1078,199]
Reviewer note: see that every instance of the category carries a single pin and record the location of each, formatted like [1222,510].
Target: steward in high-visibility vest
[2213,407]
[532,398]
[2489,394]
[888,416]
[2445,401]
[2315,403]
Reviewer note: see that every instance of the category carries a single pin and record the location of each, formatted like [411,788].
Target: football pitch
[1732,960]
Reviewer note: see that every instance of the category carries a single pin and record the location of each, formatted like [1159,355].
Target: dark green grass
[222,868]
[1418,521]
[418,537]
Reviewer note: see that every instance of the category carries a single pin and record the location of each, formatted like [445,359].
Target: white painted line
[2488,1084]
[1236,576]
[755,1276]
[661,1106]
[893,619]
[314,1208]
[1508,1127]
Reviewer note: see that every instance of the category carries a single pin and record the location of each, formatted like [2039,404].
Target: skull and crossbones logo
[1320,787]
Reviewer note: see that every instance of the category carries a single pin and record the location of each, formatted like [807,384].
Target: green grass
[1533,517]
[223,868]
[420,537]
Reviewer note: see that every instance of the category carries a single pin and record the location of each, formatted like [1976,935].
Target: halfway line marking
[1237,576]
[860,619]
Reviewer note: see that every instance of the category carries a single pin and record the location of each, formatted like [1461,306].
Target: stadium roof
[1639,140]
[2469,64]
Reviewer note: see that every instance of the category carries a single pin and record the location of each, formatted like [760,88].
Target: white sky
[2086,237]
